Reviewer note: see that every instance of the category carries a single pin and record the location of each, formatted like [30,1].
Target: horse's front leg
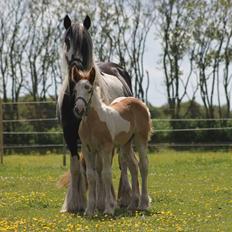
[75,198]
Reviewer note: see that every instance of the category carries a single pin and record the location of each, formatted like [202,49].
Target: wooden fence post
[1,132]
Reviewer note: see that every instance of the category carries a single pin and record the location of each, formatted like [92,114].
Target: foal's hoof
[74,211]
[125,200]
[133,205]
[144,204]
[109,212]
[124,196]
[89,213]
[78,209]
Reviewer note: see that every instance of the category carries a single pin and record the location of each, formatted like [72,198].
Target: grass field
[190,191]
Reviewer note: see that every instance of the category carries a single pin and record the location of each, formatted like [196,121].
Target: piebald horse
[102,128]
[77,51]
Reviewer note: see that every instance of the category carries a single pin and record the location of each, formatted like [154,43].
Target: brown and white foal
[102,128]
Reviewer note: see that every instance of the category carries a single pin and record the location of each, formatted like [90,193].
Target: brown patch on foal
[100,129]
[137,118]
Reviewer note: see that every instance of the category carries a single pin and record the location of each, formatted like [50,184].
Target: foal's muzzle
[77,113]
[80,107]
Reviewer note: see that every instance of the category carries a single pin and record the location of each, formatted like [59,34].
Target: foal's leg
[132,163]
[100,186]
[124,189]
[110,202]
[91,178]
[100,191]
[143,166]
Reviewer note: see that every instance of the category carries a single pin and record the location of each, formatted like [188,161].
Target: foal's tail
[151,131]
[64,180]
[151,128]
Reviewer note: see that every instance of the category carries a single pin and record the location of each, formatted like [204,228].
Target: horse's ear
[67,22]
[92,75]
[87,22]
[75,75]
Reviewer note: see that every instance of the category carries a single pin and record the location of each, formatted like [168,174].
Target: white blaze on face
[82,89]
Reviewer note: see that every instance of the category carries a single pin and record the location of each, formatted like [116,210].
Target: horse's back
[120,73]
[134,110]
[128,103]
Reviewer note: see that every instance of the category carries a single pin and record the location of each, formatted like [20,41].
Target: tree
[212,58]
[175,31]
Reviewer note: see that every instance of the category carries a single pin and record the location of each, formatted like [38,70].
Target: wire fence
[57,132]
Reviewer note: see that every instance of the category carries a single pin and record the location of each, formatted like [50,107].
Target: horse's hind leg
[124,189]
[132,163]
[141,146]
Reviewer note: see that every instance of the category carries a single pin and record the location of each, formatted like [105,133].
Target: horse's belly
[122,138]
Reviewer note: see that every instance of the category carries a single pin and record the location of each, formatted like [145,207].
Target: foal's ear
[87,22]
[67,22]
[75,75]
[92,75]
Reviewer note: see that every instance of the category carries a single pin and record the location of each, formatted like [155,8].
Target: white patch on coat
[114,121]
[109,93]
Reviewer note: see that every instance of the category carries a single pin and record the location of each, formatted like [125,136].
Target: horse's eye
[87,87]
[67,42]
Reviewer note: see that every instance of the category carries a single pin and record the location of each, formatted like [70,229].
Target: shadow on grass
[119,213]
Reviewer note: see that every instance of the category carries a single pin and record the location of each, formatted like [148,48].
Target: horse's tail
[64,180]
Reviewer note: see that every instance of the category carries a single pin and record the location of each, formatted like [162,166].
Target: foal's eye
[87,87]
